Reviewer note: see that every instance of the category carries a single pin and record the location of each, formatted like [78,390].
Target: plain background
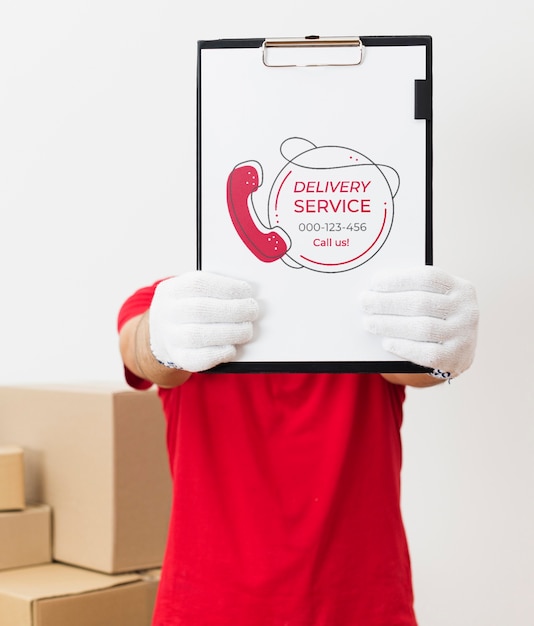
[97,197]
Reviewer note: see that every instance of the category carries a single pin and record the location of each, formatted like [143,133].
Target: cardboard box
[25,537]
[152,577]
[12,495]
[62,595]
[97,455]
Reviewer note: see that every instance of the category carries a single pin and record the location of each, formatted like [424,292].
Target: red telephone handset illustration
[266,244]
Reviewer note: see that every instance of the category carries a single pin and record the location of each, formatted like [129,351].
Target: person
[286,486]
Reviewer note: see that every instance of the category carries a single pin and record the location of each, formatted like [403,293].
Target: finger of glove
[464,304]
[421,353]
[197,336]
[213,310]
[449,356]
[201,359]
[201,283]
[407,303]
[425,278]
[427,329]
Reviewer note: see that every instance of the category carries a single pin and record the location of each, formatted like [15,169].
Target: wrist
[148,366]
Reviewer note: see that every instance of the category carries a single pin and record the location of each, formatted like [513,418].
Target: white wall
[97,152]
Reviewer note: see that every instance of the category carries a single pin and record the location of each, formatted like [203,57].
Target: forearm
[414,380]
[134,343]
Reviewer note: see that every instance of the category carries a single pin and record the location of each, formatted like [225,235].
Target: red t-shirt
[286,508]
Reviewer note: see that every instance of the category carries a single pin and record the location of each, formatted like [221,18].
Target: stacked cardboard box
[25,537]
[62,595]
[11,478]
[94,460]
[24,530]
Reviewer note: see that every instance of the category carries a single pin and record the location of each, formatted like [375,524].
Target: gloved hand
[426,316]
[197,319]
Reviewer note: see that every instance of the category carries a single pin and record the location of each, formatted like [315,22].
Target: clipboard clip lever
[312,51]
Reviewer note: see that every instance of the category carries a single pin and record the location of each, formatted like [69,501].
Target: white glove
[425,316]
[197,319]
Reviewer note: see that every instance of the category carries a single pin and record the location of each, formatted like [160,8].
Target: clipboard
[314,170]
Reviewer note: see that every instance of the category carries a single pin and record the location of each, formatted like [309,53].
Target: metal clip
[312,51]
